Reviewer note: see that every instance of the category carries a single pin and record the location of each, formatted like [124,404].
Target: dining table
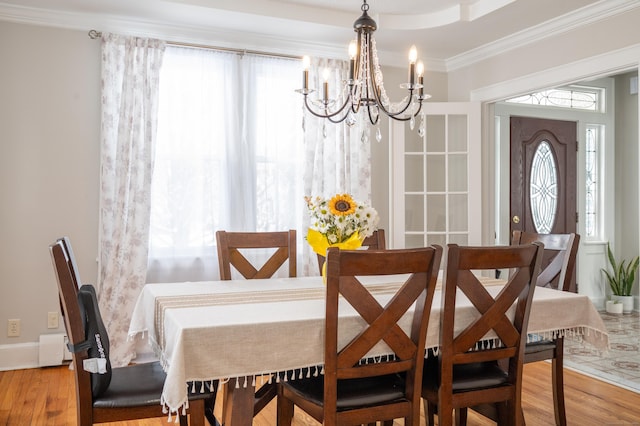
[246,332]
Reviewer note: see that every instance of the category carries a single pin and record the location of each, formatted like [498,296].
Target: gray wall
[49,165]
[627,157]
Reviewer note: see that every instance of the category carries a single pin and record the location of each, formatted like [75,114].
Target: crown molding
[585,16]
[172,33]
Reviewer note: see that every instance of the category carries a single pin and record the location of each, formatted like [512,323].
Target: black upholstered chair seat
[353,393]
[539,346]
[137,385]
[471,376]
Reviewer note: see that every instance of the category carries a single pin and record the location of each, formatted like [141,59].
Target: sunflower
[342,205]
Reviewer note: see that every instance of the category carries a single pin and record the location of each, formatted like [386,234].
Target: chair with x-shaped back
[352,391]
[232,244]
[233,249]
[558,272]
[468,369]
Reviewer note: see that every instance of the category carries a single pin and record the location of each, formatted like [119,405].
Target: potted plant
[621,279]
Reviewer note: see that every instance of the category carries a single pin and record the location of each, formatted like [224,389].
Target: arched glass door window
[543,189]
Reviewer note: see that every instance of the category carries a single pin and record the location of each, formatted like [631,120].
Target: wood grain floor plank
[46,396]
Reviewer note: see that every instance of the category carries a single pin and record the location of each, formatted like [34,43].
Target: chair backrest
[74,323]
[231,243]
[559,259]
[375,241]
[380,322]
[75,273]
[464,347]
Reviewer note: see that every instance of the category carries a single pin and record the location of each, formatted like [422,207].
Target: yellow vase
[320,244]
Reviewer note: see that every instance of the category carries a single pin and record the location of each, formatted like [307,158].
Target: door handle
[516,219]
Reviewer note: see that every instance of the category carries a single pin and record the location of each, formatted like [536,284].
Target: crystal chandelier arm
[371,119]
[327,114]
[408,117]
[395,115]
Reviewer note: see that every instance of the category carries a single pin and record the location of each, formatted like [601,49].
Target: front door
[543,175]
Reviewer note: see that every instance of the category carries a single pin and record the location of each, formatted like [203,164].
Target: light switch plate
[13,328]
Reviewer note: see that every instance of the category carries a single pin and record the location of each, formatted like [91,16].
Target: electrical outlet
[52,320]
[13,328]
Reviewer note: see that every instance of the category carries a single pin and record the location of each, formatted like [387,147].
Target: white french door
[435,190]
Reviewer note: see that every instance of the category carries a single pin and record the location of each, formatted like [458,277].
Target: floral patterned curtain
[130,77]
[337,156]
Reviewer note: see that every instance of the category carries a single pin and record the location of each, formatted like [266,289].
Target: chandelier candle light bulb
[413,57]
[325,85]
[420,72]
[306,63]
[353,51]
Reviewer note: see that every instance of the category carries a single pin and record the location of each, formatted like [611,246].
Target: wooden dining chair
[558,270]
[71,261]
[375,241]
[354,388]
[116,394]
[466,370]
[232,244]
[230,252]
[559,259]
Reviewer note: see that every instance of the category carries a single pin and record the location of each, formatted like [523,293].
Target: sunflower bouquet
[339,221]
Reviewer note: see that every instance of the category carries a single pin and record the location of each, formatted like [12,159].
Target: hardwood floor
[46,396]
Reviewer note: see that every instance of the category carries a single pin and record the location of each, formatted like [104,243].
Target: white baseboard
[19,356]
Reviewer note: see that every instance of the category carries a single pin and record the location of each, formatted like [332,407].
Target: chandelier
[363,91]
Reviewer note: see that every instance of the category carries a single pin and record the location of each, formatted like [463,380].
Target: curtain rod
[93,34]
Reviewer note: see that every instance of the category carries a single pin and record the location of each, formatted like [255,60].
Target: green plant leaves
[623,275]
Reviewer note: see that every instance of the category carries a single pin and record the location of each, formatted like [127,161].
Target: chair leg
[445,415]
[557,371]
[209,406]
[503,415]
[196,414]
[224,391]
[429,412]
[461,416]
[284,411]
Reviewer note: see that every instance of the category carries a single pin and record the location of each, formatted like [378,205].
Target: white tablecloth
[204,331]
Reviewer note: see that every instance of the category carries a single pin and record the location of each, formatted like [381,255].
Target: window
[582,98]
[592,180]
[229,155]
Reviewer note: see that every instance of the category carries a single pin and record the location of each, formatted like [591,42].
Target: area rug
[621,365]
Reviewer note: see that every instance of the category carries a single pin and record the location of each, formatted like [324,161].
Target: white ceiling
[448,33]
